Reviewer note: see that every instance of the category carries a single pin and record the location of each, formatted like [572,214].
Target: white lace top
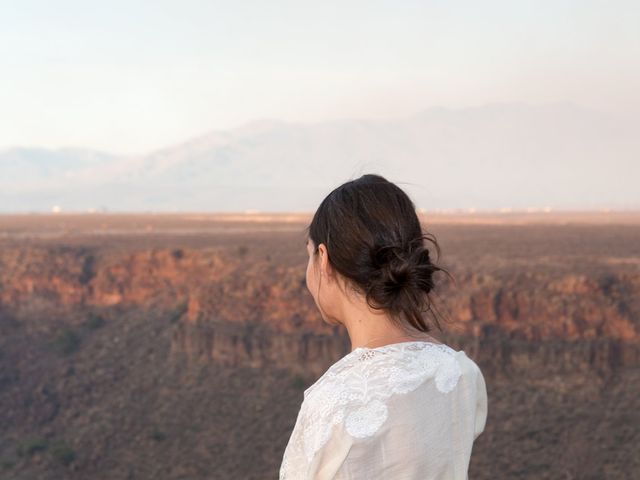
[403,411]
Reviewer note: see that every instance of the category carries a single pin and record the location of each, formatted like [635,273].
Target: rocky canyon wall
[229,307]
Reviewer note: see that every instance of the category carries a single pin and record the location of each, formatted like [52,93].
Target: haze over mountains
[506,155]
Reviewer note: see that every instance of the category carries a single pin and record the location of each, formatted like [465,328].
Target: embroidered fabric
[354,391]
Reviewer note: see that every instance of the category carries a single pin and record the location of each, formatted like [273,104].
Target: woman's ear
[325,267]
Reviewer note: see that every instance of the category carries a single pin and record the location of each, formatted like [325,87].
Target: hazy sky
[131,76]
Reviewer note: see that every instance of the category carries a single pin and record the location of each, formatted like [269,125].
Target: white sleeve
[329,458]
[481,404]
[315,450]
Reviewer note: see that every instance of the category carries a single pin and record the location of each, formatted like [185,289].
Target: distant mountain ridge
[498,155]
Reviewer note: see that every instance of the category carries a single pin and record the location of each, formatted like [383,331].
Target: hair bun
[396,269]
[394,264]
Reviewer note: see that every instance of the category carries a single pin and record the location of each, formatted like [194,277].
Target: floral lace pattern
[353,392]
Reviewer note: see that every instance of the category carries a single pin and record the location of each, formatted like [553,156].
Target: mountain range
[494,156]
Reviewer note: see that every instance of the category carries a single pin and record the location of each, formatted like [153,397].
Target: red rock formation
[242,311]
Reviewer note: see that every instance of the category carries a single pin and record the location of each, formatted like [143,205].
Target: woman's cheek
[307,278]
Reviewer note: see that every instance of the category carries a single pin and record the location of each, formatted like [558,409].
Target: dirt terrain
[177,346]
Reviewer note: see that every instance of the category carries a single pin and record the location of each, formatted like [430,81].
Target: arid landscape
[177,346]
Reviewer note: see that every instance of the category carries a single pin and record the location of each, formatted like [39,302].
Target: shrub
[158,435]
[32,445]
[299,382]
[63,453]
[67,341]
[88,269]
[177,313]
[94,321]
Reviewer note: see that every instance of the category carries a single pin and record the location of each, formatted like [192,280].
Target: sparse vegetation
[158,435]
[67,341]
[63,453]
[31,445]
[88,269]
[298,382]
[243,250]
[177,313]
[94,321]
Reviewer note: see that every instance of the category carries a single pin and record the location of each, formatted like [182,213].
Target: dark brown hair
[374,239]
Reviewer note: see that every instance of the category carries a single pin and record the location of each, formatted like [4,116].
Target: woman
[400,405]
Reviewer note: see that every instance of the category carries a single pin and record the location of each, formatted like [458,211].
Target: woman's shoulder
[396,367]
[355,391]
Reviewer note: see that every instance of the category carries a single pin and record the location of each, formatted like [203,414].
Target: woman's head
[366,238]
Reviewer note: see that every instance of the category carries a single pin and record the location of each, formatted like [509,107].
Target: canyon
[178,346]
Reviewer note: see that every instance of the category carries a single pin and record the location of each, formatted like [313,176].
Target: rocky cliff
[235,308]
[165,353]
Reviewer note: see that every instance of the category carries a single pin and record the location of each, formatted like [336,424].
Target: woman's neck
[378,330]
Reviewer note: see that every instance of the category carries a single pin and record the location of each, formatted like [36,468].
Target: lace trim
[354,389]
